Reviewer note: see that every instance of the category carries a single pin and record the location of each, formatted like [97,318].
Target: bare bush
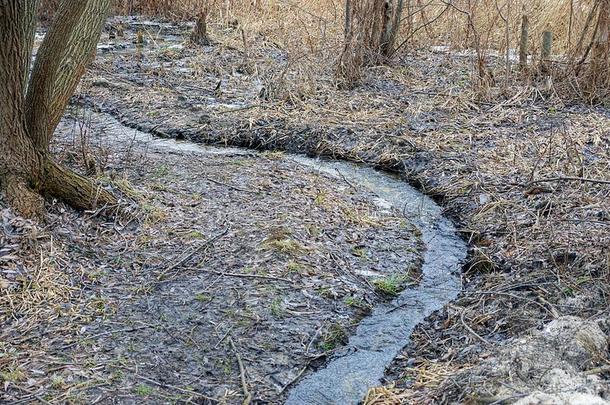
[367,32]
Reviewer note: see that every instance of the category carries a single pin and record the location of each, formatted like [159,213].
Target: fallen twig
[468,328]
[220,273]
[220,183]
[598,370]
[242,374]
[193,252]
[569,178]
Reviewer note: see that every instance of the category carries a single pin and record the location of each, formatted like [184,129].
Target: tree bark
[67,49]
[199,35]
[19,164]
[392,18]
[30,113]
[600,54]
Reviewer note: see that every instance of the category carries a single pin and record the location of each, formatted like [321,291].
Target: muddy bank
[237,266]
[517,169]
[361,364]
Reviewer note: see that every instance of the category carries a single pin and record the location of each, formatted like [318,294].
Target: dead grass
[521,170]
[421,379]
[310,36]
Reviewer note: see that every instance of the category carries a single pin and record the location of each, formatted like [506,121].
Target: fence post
[524,42]
[547,45]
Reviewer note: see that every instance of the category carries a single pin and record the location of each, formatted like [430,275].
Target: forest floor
[524,175]
[522,172]
[233,259]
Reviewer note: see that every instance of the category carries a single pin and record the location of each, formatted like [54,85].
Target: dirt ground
[232,260]
[523,173]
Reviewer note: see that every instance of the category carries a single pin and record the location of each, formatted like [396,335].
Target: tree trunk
[386,26]
[395,27]
[199,35]
[600,54]
[348,20]
[30,113]
[392,18]
[62,59]
[19,165]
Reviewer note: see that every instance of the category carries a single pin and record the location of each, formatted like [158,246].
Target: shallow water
[361,364]
[380,336]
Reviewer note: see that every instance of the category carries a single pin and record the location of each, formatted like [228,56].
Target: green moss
[196,235]
[335,336]
[162,171]
[277,309]
[203,298]
[356,303]
[144,390]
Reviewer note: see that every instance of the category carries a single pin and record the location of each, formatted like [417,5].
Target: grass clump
[144,390]
[335,336]
[281,241]
[12,375]
[389,286]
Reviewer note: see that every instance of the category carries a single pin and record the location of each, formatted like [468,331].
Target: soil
[524,174]
[233,259]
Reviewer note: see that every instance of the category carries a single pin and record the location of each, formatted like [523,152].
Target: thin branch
[569,178]
[242,374]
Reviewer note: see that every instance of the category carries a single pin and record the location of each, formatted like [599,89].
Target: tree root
[23,199]
[76,190]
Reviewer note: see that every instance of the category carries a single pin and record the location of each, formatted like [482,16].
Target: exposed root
[76,190]
[22,198]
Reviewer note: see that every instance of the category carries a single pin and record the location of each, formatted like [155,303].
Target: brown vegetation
[526,180]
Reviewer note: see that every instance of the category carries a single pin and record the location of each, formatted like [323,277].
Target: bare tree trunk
[199,35]
[19,164]
[395,26]
[600,54]
[29,118]
[391,24]
[65,53]
[386,25]
[524,42]
[348,19]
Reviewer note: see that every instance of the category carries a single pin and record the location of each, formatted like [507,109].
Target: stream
[361,364]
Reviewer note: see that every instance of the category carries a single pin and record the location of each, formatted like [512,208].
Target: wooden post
[547,45]
[524,43]
[547,49]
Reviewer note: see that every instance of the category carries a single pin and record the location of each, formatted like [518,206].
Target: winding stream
[361,364]
[380,336]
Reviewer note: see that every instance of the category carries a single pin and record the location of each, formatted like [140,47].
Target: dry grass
[311,35]
[434,22]
[421,378]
